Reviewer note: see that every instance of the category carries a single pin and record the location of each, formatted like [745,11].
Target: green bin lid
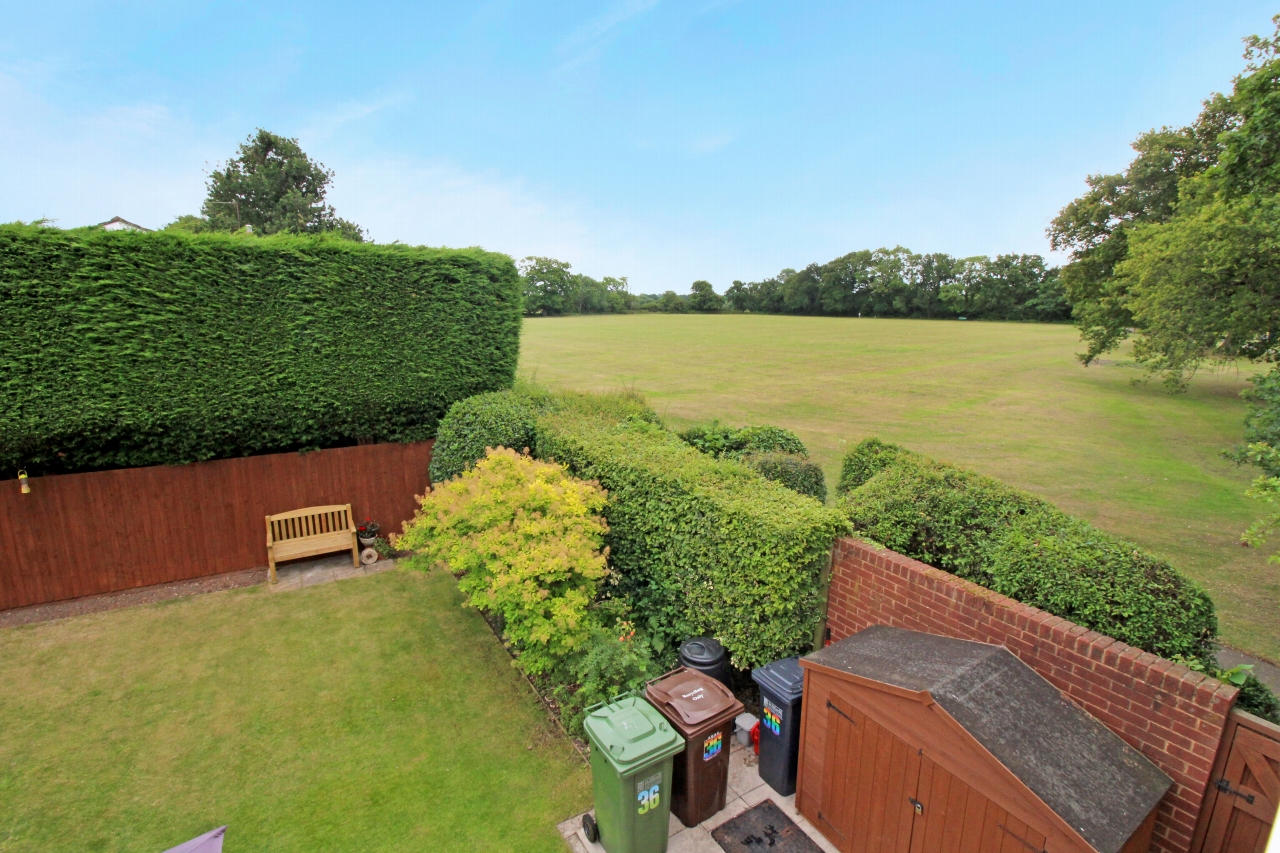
[630,732]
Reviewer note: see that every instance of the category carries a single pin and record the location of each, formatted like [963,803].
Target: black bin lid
[702,651]
[783,678]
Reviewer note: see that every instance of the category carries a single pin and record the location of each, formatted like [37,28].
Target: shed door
[873,783]
[869,779]
[955,818]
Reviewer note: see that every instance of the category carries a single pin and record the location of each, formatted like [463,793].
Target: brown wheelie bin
[702,710]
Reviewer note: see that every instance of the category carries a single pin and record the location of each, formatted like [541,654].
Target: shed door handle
[919,805]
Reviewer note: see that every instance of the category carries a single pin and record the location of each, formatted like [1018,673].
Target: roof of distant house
[117,223]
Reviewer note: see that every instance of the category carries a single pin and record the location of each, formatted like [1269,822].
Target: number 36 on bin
[647,795]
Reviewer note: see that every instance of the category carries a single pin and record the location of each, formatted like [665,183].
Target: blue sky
[662,141]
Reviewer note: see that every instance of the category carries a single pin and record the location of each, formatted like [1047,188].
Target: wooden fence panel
[83,534]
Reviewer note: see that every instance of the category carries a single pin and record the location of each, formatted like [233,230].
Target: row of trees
[551,289]
[883,283]
[900,283]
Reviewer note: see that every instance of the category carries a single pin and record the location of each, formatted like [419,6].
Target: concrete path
[746,789]
[331,567]
[1267,673]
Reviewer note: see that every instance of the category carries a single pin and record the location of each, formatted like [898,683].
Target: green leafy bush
[868,458]
[699,545]
[1070,568]
[121,349]
[509,419]
[718,440]
[1021,546]
[526,540]
[791,470]
[611,664]
[1257,698]
[495,419]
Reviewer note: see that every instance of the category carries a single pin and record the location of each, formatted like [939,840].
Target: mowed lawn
[372,714]
[1008,399]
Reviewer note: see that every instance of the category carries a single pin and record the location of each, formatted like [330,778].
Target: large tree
[1183,246]
[703,297]
[271,186]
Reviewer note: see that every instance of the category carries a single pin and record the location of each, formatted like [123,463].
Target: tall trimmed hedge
[700,545]
[120,349]
[1024,547]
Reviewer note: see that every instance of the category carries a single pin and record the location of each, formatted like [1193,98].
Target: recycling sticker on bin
[712,745]
[648,794]
[772,717]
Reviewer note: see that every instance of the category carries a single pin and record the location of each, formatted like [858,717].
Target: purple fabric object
[210,842]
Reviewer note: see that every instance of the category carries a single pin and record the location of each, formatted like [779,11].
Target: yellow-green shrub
[526,539]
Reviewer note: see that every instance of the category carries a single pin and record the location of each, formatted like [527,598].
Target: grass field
[1008,399]
[371,714]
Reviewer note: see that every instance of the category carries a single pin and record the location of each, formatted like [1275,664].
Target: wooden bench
[308,532]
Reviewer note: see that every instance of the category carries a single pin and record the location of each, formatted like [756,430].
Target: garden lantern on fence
[23,483]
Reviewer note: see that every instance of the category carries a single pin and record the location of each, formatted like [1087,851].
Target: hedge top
[120,348]
[701,545]
[1024,547]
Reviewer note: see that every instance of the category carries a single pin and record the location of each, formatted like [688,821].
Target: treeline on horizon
[881,283]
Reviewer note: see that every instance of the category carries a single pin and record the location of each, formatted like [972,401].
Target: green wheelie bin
[631,749]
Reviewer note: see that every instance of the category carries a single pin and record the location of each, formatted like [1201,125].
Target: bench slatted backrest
[313,521]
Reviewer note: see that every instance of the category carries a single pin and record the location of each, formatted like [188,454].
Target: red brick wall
[1172,715]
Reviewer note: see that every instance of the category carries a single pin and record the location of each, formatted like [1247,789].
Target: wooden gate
[1244,789]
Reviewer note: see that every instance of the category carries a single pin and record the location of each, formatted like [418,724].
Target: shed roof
[1090,777]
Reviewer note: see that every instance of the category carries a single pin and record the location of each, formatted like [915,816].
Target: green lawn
[372,714]
[1008,399]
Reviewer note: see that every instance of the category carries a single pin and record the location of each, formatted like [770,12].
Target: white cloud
[143,162]
[327,122]
[442,204]
[588,41]
[137,161]
[617,14]
[710,143]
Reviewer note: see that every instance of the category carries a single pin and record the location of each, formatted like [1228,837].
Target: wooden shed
[917,743]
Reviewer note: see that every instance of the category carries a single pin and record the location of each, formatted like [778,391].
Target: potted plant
[367,532]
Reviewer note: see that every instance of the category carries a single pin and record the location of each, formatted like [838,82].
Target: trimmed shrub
[791,470]
[497,419]
[1070,568]
[1024,547]
[868,458]
[737,442]
[939,514]
[509,419]
[526,540]
[121,349]
[699,545]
